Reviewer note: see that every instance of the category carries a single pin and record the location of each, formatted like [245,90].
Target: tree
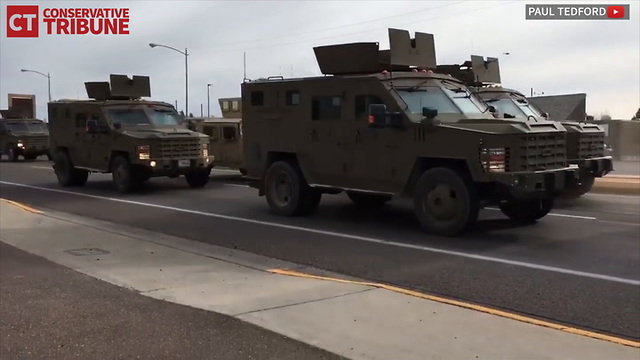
[605,117]
[637,116]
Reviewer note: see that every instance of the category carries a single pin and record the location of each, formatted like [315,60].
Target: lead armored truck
[21,134]
[585,142]
[116,132]
[379,125]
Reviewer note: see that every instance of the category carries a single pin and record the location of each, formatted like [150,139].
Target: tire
[124,176]
[66,173]
[198,178]
[12,154]
[580,190]
[287,191]
[439,188]
[527,210]
[49,156]
[363,200]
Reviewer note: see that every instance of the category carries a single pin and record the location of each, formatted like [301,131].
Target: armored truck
[225,135]
[21,134]
[117,132]
[379,124]
[585,145]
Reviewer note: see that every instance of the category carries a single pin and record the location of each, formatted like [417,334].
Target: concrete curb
[617,184]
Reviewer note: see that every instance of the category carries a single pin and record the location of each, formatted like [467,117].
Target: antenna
[245,65]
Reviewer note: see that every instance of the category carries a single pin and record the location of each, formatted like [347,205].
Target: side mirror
[117,125]
[429,113]
[377,115]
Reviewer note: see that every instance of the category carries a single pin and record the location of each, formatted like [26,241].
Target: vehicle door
[96,142]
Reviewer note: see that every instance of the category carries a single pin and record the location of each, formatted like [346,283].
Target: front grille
[590,145]
[538,152]
[185,148]
[36,141]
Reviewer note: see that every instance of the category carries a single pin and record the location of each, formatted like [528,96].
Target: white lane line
[238,185]
[350,236]
[558,215]
[42,167]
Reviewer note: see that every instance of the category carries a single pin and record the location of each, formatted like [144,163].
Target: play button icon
[615,12]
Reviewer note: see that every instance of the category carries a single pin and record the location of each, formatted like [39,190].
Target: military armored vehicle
[119,133]
[21,134]
[225,135]
[379,124]
[585,142]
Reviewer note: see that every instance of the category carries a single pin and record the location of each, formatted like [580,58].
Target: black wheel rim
[442,203]
[282,189]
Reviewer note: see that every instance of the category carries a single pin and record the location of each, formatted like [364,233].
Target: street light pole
[47,75]
[208,101]
[186,73]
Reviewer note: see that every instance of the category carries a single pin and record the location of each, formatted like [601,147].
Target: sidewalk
[354,320]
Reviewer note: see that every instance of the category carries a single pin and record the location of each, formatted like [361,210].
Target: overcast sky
[600,58]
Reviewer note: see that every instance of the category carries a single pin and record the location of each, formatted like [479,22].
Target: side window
[326,108]
[292,98]
[212,132]
[229,133]
[81,120]
[257,98]
[225,106]
[362,103]
[235,105]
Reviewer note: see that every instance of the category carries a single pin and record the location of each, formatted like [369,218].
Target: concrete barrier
[617,184]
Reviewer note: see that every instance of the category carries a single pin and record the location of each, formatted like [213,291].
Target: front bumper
[25,148]
[595,167]
[177,166]
[537,184]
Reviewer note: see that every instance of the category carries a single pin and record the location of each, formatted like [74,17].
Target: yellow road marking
[466,305]
[23,207]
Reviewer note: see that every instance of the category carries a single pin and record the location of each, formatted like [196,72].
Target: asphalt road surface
[579,266]
[51,312]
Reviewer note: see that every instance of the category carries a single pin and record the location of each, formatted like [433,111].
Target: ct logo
[22,21]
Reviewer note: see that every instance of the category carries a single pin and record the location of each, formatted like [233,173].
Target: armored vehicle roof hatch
[404,54]
[476,72]
[119,87]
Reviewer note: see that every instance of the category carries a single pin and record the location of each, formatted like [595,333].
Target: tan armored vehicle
[225,135]
[378,125]
[116,132]
[21,134]
[585,142]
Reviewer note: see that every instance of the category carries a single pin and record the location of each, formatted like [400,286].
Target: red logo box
[22,21]
[615,12]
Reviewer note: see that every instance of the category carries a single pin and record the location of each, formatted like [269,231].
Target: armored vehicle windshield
[447,97]
[143,115]
[510,104]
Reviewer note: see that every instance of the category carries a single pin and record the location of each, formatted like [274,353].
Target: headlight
[494,160]
[144,152]
[20,144]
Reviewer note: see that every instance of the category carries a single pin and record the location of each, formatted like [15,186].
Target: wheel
[66,173]
[287,192]
[198,178]
[527,210]
[12,153]
[30,157]
[124,175]
[583,188]
[49,155]
[444,202]
[368,200]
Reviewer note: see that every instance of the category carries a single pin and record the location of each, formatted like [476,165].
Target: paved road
[51,312]
[580,266]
